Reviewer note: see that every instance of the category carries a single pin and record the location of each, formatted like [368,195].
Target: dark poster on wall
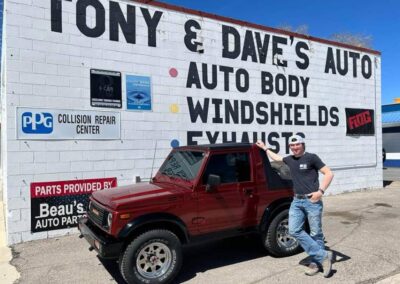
[360,121]
[105,89]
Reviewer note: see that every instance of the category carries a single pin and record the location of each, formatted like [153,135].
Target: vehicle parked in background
[383,155]
[200,192]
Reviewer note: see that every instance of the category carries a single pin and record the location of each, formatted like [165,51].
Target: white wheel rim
[154,260]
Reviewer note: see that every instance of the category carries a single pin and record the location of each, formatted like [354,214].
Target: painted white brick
[18,226]
[52,70]
[54,80]
[124,165]
[79,83]
[71,156]
[17,203]
[33,168]
[15,181]
[40,157]
[58,145]
[14,215]
[40,24]
[58,167]
[42,68]
[19,20]
[45,90]
[80,61]
[13,168]
[104,165]
[120,174]
[13,77]
[81,166]
[48,177]
[13,192]
[30,78]
[93,155]
[21,66]
[17,89]
[45,46]
[29,33]
[28,236]
[13,238]
[57,59]
[93,174]
[25,157]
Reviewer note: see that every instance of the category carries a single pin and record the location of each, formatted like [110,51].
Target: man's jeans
[313,244]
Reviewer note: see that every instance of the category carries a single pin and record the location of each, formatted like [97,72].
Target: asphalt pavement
[361,228]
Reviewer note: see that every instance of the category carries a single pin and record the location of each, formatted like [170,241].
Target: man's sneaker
[327,264]
[311,269]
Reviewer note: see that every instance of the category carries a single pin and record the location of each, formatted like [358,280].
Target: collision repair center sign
[59,204]
[40,123]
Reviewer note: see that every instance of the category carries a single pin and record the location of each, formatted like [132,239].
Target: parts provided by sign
[59,204]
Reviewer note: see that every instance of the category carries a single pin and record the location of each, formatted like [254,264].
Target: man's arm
[270,154]
[328,176]
[326,181]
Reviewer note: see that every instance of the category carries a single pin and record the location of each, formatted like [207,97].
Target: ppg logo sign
[37,123]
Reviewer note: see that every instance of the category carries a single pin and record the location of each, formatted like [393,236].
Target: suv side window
[232,167]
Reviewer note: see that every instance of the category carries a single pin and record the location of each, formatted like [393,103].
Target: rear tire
[276,238]
[153,257]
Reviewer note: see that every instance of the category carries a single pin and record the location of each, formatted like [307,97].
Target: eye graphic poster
[138,92]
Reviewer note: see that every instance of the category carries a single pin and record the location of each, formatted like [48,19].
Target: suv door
[227,206]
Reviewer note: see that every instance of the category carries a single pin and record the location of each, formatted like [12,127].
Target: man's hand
[260,144]
[315,196]
[270,154]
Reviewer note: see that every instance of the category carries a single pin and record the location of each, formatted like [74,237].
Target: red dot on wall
[173,72]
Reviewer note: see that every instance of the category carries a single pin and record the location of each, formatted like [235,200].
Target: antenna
[154,157]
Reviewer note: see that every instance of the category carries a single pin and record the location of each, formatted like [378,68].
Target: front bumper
[105,245]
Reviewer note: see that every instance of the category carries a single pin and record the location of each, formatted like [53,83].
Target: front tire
[153,257]
[277,240]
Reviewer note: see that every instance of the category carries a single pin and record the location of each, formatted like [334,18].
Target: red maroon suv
[205,191]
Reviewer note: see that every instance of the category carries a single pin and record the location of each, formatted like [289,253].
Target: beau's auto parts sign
[40,123]
[59,204]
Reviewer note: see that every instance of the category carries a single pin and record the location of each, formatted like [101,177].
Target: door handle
[248,191]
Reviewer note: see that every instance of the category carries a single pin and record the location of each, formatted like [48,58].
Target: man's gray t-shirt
[304,171]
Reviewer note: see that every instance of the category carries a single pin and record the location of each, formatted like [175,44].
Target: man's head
[297,145]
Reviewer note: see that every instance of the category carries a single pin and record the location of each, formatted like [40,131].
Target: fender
[143,220]
[271,210]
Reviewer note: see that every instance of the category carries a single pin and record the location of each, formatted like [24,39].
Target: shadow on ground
[387,183]
[202,257]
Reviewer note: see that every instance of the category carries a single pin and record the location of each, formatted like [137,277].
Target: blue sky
[379,19]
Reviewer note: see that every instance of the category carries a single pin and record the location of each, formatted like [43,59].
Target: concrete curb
[9,273]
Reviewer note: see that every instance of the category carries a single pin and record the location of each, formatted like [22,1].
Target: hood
[137,196]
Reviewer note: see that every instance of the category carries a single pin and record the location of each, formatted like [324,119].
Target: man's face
[297,149]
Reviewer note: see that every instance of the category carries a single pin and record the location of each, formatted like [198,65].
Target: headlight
[109,220]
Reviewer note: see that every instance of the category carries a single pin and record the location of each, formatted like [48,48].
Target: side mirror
[213,181]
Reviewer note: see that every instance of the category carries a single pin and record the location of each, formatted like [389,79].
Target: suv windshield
[183,164]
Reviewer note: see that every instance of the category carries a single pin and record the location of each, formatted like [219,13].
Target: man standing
[307,201]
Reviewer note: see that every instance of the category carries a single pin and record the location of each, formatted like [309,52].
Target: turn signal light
[125,216]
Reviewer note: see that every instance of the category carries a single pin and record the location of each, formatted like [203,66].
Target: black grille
[97,214]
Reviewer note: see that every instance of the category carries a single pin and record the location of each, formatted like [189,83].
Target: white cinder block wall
[50,69]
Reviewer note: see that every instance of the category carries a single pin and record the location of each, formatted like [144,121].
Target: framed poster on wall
[138,92]
[105,89]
